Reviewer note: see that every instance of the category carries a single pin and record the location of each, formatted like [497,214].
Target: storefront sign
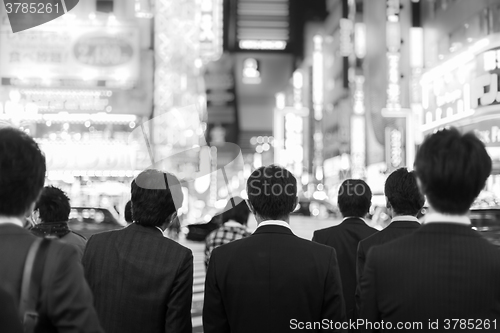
[43,100]
[464,87]
[394,137]
[48,54]
[90,157]
[358,146]
[211,29]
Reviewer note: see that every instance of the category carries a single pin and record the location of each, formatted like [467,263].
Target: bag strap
[32,278]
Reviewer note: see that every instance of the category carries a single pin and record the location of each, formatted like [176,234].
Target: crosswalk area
[198,285]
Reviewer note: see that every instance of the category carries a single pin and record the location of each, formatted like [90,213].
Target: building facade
[80,85]
[460,85]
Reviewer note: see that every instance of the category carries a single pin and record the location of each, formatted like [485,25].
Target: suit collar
[353,219]
[273,229]
[274,222]
[403,224]
[13,229]
[448,228]
[147,229]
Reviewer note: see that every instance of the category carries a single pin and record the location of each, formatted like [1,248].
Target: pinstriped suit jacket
[344,238]
[440,271]
[260,283]
[142,281]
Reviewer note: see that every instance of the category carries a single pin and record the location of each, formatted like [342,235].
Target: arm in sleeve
[87,259]
[178,317]
[69,299]
[333,300]
[214,314]
[360,264]
[368,289]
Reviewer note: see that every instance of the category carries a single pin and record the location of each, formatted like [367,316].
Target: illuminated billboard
[73,55]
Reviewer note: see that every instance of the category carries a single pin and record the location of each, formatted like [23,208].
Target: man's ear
[296,202]
[172,218]
[249,204]
[387,203]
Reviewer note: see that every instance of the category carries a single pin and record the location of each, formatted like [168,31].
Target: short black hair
[53,205]
[22,171]
[156,196]
[237,210]
[354,198]
[453,169]
[401,190]
[128,212]
[272,191]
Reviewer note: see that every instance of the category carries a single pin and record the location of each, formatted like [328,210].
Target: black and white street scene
[249,166]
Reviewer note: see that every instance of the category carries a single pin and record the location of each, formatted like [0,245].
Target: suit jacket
[263,282]
[393,231]
[344,238]
[9,314]
[442,271]
[142,281]
[66,303]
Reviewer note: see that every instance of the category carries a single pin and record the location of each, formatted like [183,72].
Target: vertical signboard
[221,100]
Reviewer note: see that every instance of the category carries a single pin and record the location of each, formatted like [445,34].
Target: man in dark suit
[65,300]
[354,202]
[143,281]
[404,201]
[9,314]
[444,275]
[272,281]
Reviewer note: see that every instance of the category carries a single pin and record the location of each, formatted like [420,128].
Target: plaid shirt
[229,232]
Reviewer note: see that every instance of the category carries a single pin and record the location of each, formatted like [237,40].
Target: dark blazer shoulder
[322,234]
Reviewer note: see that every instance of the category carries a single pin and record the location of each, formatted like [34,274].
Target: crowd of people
[435,275]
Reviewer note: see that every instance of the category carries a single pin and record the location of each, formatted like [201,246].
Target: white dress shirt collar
[274,222]
[12,220]
[405,218]
[435,217]
[353,217]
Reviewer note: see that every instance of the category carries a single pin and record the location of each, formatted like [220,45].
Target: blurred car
[484,215]
[92,220]
[487,222]
[315,208]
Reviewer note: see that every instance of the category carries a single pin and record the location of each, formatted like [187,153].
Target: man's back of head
[354,198]
[53,205]
[156,196]
[452,169]
[22,172]
[272,192]
[402,193]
